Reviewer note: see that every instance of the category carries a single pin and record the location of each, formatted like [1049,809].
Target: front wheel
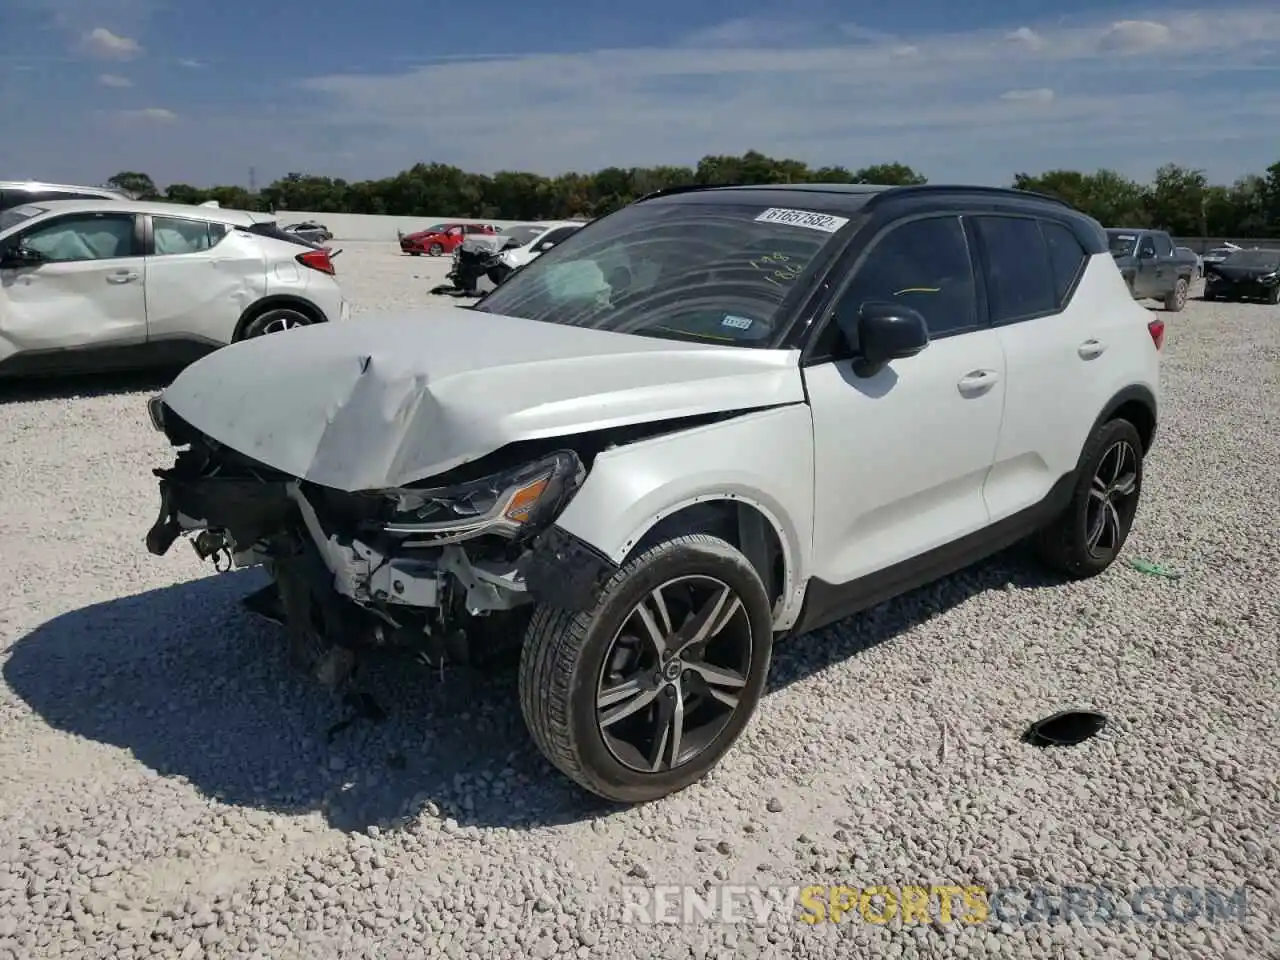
[644,693]
[1274,298]
[435,250]
[1088,535]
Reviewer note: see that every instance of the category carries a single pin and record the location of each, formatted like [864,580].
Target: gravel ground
[167,787]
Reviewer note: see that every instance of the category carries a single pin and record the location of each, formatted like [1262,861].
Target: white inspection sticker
[803,218]
[737,323]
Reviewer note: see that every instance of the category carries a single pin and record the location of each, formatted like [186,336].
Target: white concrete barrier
[358,226]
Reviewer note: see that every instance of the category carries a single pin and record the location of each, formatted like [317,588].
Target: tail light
[317,260]
[1156,329]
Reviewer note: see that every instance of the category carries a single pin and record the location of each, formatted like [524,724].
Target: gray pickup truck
[1151,266]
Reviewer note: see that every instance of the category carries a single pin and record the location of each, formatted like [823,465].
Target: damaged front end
[447,570]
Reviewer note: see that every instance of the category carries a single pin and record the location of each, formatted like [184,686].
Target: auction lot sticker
[803,218]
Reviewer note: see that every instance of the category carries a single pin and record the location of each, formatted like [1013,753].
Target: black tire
[1274,297]
[1064,545]
[498,274]
[1176,299]
[435,250]
[562,670]
[275,320]
[414,253]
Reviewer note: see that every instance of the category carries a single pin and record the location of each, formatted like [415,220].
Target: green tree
[1179,199]
[137,185]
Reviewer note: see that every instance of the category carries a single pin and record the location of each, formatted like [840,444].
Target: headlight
[506,503]
[1270,277]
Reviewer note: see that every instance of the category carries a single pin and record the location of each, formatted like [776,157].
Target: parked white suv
[97,284]
[704,423]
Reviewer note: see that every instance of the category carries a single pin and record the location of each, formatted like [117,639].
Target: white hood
[385,401]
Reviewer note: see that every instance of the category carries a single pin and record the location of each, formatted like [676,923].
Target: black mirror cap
[886,332]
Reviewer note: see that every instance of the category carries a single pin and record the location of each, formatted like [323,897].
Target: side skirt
[826,603]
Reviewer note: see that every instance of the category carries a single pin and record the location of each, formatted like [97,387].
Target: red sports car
[442,238]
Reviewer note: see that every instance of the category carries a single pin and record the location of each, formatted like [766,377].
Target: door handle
[978,382]
[122,276]
[1091,349]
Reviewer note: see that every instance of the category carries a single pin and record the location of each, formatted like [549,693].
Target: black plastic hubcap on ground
[1113,499]
[673,674]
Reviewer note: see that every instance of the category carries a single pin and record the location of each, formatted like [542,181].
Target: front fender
[764,458]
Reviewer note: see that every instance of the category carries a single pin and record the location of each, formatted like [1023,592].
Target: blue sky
[201,92]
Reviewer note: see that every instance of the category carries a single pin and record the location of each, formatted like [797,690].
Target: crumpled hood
[386,401]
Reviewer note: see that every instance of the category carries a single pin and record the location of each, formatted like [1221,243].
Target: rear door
[201,276]
[1054,319]
[89,292]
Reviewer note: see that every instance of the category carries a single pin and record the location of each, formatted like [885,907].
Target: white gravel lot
[167,788]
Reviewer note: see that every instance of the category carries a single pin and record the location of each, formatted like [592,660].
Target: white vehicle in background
[17,193]
[99,284]
[534,240]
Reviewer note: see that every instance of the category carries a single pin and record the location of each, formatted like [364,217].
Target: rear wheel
[276,320]
[1087,537]
[1176,298]
[643,694]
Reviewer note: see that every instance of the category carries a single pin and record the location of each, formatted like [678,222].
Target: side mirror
[887,331]
[16,257]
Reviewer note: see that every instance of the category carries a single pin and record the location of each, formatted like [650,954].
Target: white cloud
[101,42]
[1036,95]
[1027,37]
[190,63]
[149,115]
[1136,36]
[114,80]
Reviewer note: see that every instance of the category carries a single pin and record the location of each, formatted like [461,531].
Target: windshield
[15,215]
[523,235]
[1253,258]
[1122,244]
[713,272]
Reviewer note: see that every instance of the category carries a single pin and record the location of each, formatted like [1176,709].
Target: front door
[87,293]
[901,457]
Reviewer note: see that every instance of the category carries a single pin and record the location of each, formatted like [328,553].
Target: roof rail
[966,188]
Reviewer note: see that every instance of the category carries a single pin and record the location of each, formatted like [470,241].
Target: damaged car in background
[669,441]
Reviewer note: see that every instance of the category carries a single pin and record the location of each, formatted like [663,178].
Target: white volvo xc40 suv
[711,420]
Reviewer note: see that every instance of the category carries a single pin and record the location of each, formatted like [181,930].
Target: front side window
[558,235]
[84,236]
[921,264]
[1164,246]
[177,235]
[1147,248]
[1020,280]
[715,272]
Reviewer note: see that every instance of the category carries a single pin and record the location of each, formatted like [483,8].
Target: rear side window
[1020,279]
[178,235]
[1066,256]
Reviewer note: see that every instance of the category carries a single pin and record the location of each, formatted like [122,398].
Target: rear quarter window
[1067,259]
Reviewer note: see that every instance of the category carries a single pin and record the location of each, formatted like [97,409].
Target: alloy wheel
[673,674]
[1180,294]
[1113,499]
[287,321]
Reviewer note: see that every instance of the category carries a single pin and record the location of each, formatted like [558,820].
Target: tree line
[1179,199]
